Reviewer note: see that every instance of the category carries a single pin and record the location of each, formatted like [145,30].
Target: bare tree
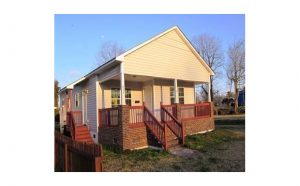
[108,51]
[209,48]
[236,68]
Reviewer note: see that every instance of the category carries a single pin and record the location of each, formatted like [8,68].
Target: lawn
[220,150]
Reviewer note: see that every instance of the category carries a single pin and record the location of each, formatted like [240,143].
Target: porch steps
[172,143]
[82,134]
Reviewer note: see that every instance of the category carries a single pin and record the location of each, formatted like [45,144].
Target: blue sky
[78,38]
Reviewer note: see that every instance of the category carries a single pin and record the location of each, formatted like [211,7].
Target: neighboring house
[143,97]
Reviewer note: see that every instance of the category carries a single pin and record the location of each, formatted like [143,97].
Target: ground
[220,150]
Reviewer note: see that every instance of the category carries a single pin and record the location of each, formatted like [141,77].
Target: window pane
[181,100]
[172,93]
[115,93]
[127,93]
[172,100]
[181,92]
[115,102]
[128,102]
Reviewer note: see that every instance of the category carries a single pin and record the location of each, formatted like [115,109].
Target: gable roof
[121,56]
[181,35]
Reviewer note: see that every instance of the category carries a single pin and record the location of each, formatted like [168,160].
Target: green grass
[204,142]
[219,153]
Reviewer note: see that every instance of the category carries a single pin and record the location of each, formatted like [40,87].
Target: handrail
[174,125]
[108,117]
[157,129]
[70,121]
[198,110]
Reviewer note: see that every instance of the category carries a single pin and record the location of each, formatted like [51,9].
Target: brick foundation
[199,125]
[133,136]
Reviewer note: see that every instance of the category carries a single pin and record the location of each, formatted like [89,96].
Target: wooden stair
[82,134]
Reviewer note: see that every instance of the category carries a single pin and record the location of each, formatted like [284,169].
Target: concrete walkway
[183,152]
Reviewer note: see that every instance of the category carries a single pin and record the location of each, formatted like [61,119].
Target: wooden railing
[157,129]
[171,109]
[77,116]
[136,115]
[199,110]
[74,156]
[108,117]
[174,125]
[71,124]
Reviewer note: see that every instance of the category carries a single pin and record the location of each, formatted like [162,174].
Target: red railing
[171,109]
[136,115]
[77,116]
[71,124]
[108,117]
[157,129]
[199,110]
[174,125]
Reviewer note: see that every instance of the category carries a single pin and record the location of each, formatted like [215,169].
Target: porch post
[195,93]
[122,84]
[208,95]
[176,91]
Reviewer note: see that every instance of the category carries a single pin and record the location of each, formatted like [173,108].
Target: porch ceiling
[139,78]
[135,78]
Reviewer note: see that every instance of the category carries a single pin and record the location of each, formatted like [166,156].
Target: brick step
[82,132]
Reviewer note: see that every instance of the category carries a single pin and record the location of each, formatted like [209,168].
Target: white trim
[208,94]
[97,94]
[122,84]
[180,33]
[176,95]
[153,98]
[195,93]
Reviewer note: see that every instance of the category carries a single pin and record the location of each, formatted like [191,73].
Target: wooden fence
[73,156]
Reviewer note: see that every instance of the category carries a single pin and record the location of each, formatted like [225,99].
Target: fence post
[165,131]
[183,132]
[98,164]
[56,154]
[66,159]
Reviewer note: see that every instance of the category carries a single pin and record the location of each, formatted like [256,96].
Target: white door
[84,108]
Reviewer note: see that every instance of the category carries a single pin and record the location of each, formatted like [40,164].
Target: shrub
[241,110]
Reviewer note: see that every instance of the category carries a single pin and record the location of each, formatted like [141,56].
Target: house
[143,97]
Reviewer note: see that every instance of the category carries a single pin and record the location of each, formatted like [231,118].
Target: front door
[84,107]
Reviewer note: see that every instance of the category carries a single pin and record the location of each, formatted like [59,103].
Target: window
[172,95]
[115,97]
[77,96]
[180,95]
[128,97]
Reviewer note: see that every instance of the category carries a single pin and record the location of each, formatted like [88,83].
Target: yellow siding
[136,92]
[168,57]
[166,95]
[189,95]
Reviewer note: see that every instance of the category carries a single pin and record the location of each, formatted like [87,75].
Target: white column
[122,84]
[176,91]
[208,95]
[195,93]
